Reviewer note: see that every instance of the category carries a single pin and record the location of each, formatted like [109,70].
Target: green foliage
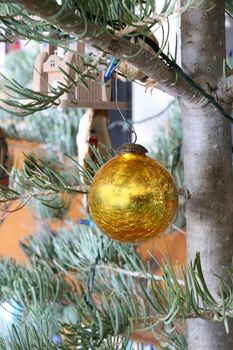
[56,209]
[134,19]
[229,6]
[111,14]
[19,64]
[46,180]
[55,128]
[17,22]
[35,286]
[125,295]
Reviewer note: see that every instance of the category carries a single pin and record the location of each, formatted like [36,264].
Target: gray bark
[207,163]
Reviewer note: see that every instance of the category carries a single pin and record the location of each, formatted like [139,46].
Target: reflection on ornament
[132,197]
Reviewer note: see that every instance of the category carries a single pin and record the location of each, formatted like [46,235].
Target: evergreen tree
[93,292]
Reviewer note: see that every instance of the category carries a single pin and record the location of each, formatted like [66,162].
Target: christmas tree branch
[111,317]
[17,23]
[22,200]
[70,21]
[154,68]
[38,285]
[32,101]
[160,68]
[167,295]
[120,301]
[43,178]
[46,179]
[135,274]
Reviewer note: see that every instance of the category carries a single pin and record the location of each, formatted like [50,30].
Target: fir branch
[166,295]
[46,179]
[25,198]
[135,274]
[36,286]
[32,101]
[15,21]
[122,301]
[163,70]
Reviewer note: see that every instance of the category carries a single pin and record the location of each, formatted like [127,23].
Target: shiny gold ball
[132,197]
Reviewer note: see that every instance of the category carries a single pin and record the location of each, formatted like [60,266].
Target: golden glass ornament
[132,197]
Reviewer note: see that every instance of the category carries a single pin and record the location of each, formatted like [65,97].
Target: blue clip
[111,68]
[86,222]
[57,339]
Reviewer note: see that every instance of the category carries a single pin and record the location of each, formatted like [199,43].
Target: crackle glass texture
[132,198]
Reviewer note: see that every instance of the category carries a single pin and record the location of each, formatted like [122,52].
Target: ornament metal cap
[132,148]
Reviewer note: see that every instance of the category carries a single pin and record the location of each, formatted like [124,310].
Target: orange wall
[15,226]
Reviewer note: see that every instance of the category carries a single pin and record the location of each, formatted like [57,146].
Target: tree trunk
[207,163]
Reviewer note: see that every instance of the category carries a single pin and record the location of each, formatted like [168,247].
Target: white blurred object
[83,136]
[2,56]
[10,313]
[148,103]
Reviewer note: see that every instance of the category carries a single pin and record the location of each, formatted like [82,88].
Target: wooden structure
[4,160]
[49,70]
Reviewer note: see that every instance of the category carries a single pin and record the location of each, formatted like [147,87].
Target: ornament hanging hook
[132,136]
